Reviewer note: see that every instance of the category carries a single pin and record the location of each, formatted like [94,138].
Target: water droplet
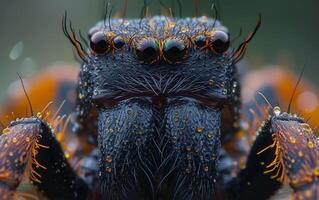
[277,111]
[81,96]
[184,29]
[305,127]
[210,135]
[129,111]
[6,131]
[171,24]
[39,115]
[211,82]
[300,154]
[224,91]
[85,68]
[176,117]
[292,140]
[109,119]
[199,129]
[109,159]
[310,145]
[108,169]
[95,92]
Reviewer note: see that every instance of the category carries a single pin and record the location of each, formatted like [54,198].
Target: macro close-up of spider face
[156,112]
[159,86]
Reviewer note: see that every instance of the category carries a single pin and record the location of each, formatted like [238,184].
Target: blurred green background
[31,35]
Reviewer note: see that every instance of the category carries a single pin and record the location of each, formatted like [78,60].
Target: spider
[157,116]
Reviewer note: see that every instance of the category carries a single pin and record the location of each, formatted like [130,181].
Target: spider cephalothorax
[159,88]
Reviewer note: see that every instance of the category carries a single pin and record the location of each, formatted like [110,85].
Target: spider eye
[99,43]
[92,31]
[147,50]
[219,42]
[118,42]
[174,50]
[200,40]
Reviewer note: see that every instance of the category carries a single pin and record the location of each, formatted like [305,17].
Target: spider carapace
[157,116]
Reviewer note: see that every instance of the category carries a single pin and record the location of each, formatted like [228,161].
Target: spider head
[142,73]
[159,57]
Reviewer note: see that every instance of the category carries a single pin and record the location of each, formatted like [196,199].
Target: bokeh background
[31,37]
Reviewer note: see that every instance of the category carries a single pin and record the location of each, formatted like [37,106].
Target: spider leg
[285,152]
[251,182]
[29,150]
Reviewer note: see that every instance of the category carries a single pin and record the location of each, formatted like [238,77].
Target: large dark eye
[219,42]
[200,40]
[147,50]
[118,42]
[99,43]
[174,50]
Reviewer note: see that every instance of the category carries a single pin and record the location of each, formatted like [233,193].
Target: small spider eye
[174,50]
[118,42]
[147,50]
[200,40]
[99,43]
[219,42]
